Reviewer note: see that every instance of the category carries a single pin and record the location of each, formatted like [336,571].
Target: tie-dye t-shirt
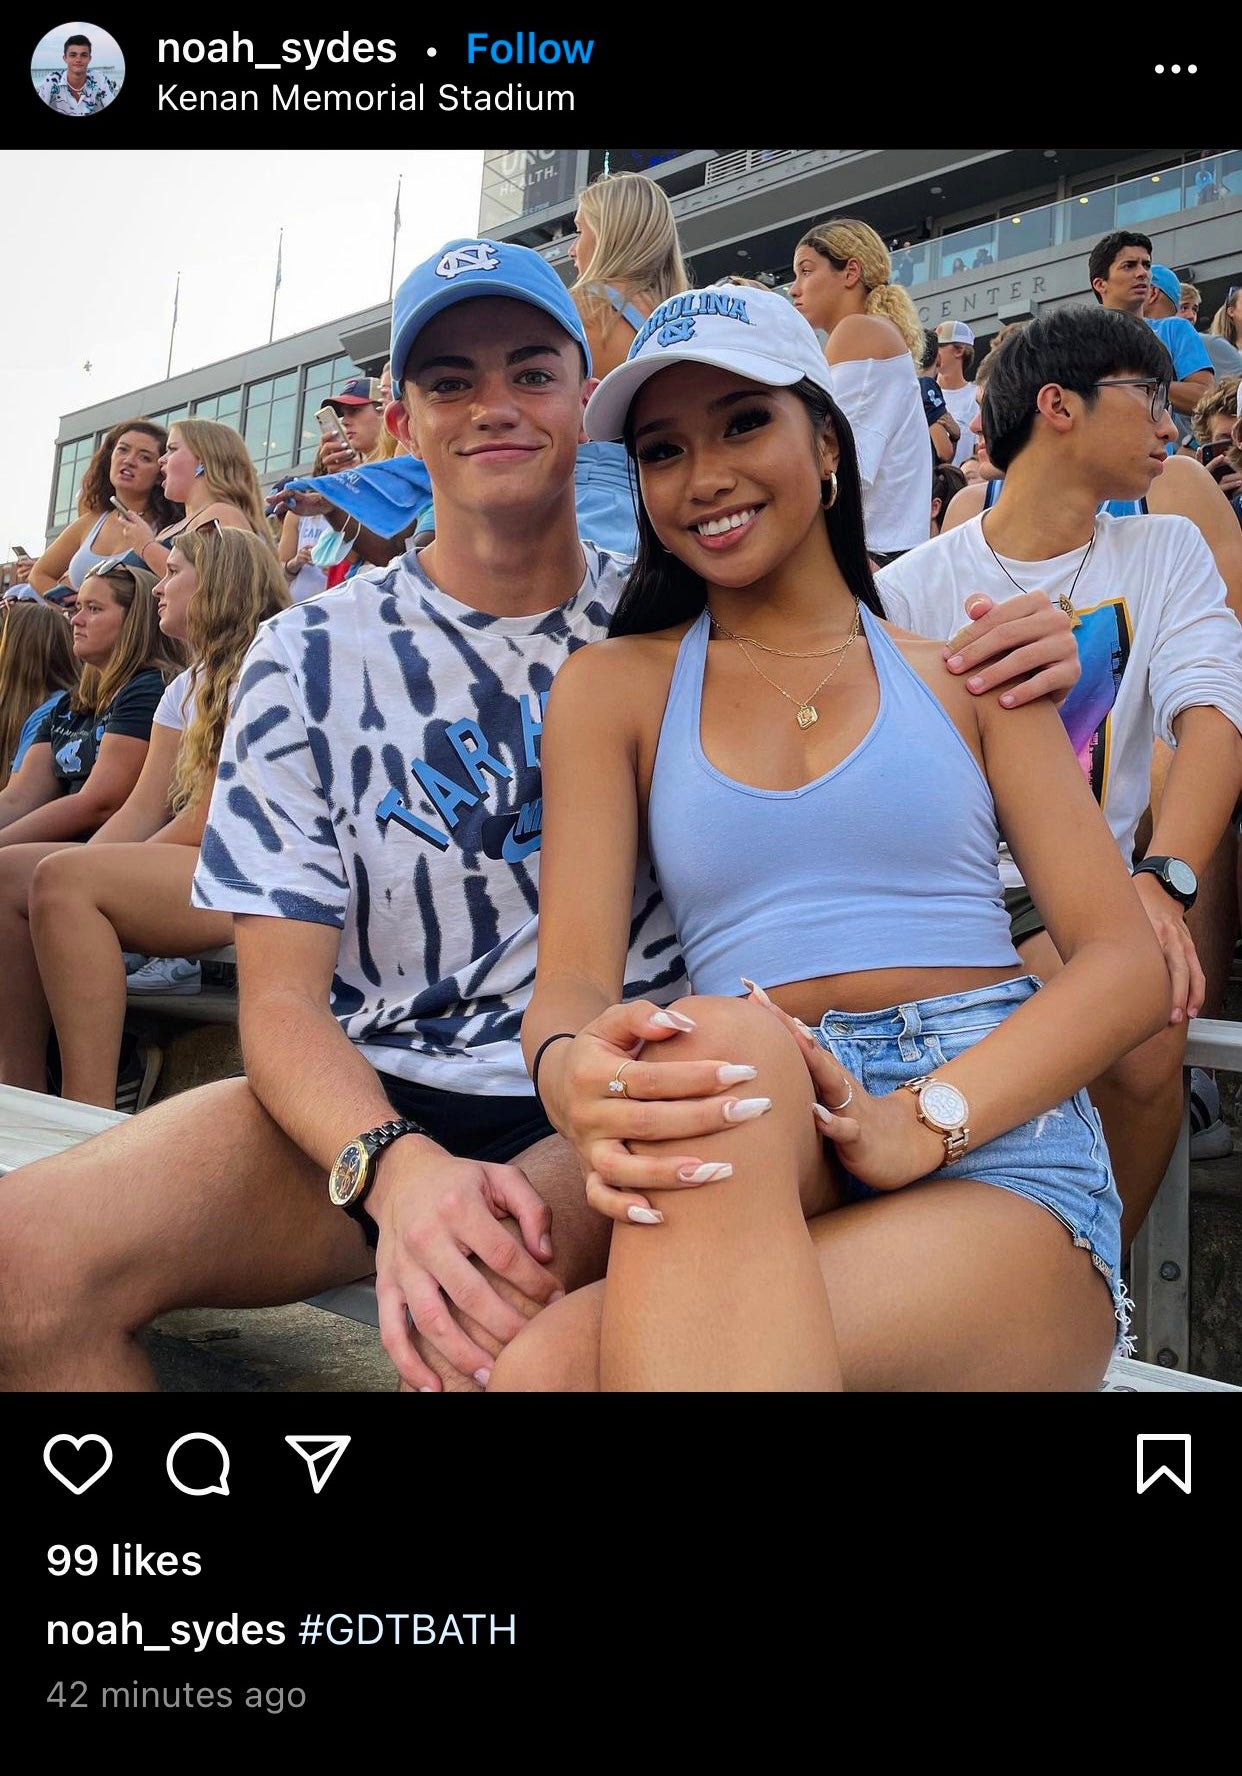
[380,774]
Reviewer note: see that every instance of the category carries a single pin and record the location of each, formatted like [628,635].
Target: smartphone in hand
[329,422]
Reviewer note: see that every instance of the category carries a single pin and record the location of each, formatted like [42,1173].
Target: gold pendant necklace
[1066,599]
[806,714]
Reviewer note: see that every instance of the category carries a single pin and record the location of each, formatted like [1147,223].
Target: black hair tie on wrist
[560,1036]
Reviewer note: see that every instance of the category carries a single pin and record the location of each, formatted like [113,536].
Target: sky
[96,239]
[50,49]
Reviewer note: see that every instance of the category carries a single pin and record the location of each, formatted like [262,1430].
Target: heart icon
[78,1486]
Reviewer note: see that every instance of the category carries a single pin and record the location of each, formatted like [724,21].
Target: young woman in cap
[843,284]
[82,763]
[126,468]
[130,888]
[208,470]
[909,1189]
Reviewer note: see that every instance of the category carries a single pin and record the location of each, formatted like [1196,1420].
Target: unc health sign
[517,181]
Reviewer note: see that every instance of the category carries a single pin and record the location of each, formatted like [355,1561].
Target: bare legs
[1139,1099]
[24,1018]
[201,1201]
[954,1285]
[89,903]
[728,1294]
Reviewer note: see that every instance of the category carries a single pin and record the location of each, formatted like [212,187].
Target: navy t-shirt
[934,405]
[75,735]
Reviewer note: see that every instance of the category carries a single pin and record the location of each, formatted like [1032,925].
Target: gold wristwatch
[943,1108]
[353,1171]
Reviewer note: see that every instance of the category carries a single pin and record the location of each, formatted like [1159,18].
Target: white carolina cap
[757,334]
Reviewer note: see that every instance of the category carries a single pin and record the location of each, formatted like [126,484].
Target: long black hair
[662,591]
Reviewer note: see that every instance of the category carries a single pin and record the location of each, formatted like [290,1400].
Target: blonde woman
[207,469]
[130,888]
[628,259]
[843,284]
[1227,321]
[36,665]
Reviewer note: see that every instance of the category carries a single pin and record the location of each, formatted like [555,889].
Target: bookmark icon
[321,1454]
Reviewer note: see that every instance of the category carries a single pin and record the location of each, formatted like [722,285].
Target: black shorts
[496,1129]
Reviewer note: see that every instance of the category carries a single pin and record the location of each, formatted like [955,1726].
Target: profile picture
[77,69]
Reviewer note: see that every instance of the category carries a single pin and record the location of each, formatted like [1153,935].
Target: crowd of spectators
[258,700]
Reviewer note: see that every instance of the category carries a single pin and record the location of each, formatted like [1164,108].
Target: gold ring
[846,1101]
[616,1085]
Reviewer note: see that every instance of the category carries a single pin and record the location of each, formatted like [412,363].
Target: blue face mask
[330,549]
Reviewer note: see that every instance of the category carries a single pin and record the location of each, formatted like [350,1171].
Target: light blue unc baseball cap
[465,268]
[1167,282]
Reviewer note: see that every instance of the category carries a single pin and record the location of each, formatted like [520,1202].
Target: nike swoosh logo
[514,850]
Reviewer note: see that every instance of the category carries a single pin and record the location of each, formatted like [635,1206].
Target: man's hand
[434,1213]
[1025,642]
[1168,918]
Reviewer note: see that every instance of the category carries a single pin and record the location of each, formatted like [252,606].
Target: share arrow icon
[321,1455]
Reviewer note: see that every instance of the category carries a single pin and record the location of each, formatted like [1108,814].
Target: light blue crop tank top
[888,861]
[85,557]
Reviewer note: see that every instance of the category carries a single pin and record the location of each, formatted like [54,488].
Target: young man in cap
[375,833]
[1120,268]
[954,361]
[1075,412]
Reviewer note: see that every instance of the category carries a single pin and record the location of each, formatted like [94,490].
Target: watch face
[944,1105]
[348,1174]
[1181,876]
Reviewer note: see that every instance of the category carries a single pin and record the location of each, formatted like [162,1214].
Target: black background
[691,72]
[637,1540]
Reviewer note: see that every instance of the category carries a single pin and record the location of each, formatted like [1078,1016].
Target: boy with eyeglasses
[1075,412]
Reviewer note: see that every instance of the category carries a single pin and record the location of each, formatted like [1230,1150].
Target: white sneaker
[166,974]
[133,960]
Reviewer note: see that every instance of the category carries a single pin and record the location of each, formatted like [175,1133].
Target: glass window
[171,415]
[225,408]
[1092,213]
[1155,194]
[71,465]
[268,431]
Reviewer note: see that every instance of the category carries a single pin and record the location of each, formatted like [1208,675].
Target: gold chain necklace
[787,653]
[1066,599]
[807,714]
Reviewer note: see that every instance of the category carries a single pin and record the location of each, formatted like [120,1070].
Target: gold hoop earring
[828,498]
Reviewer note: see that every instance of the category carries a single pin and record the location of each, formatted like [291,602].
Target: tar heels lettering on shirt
[508,836]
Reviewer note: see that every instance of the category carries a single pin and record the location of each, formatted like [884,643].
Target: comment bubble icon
[219,1484]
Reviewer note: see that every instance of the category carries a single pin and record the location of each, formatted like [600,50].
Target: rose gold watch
[943,1108]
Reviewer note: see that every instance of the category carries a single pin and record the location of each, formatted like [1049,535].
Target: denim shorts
[1059,1160]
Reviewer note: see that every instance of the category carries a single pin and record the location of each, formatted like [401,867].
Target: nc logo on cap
[481,257]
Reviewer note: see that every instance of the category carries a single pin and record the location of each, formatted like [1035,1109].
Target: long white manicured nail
[673,1020]
[644,1217]
[822,1116]
[757,991]
[743,1109]
[734,1075]
[705,1174]
[482,1376]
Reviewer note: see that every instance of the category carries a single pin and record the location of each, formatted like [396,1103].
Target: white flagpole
[279,250]
[173,328]
[396,226]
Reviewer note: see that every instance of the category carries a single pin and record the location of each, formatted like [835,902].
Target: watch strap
[1159,867]
[374,1141]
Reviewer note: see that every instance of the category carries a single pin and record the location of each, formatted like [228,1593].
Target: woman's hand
[880,1140]
[136,532]
[672,1102]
